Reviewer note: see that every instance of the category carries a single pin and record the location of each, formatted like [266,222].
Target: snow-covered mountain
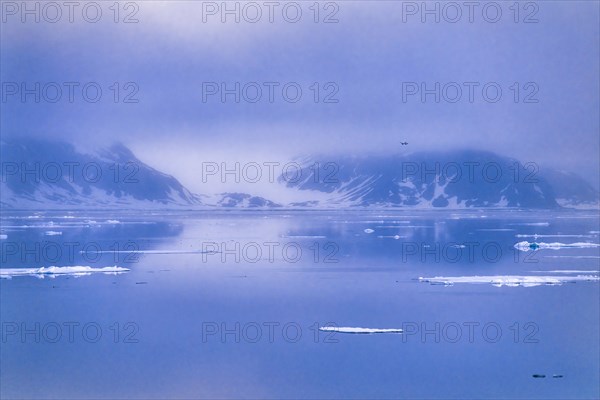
[240,200]
[54,174]
[571,190]
[449,179]
[45,174]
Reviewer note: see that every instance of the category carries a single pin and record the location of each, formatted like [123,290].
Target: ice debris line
[509,280]
[8,273]
[364,331]
[527,246]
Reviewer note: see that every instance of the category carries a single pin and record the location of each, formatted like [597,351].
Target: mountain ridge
[54,174]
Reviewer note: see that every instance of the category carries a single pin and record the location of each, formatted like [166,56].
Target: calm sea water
[228,305]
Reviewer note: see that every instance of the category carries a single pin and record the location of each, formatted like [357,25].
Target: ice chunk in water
[364,331]
[527,246]
[53,271]
[509,280]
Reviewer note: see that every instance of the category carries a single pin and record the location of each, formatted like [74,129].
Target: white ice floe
[527,246]
[569,271]
[113,221]
[396,237]
[535,235]
[52,233]
[77,270]
[509,280]
[369,230]
[3,237]
[344,329]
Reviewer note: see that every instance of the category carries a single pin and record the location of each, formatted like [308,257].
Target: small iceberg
[52,233]
[369,230]
[2,237]
[510,280]
[569,271]
[360,331]
[395,237]
[8,273]
[535,236]
[527,246]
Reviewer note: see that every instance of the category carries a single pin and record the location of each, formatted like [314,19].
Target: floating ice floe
[113,221]
[527,246]
[8,273]
[364,331]
[3,237]
[535,235]
[509,280]
[52,233]
[569,271]
[369,230]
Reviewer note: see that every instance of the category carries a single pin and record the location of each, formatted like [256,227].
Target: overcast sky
[367,58]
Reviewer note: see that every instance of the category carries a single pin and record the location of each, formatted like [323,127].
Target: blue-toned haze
[368,54]
[429,248]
